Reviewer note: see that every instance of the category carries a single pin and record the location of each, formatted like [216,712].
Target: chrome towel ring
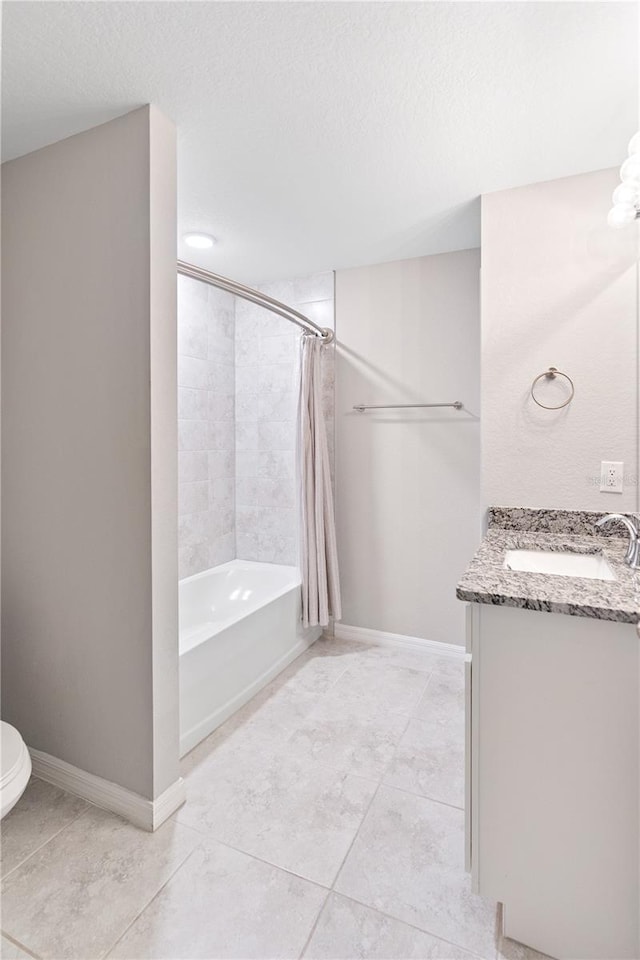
[551,374]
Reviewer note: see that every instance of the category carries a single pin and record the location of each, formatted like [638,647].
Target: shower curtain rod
[254,296]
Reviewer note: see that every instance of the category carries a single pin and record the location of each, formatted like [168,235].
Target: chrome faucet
[633,552]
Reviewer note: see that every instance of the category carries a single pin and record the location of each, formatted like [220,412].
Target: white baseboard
[342,631]
[148,814]
[192,737]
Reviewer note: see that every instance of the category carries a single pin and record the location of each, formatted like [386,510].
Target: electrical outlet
[611,476]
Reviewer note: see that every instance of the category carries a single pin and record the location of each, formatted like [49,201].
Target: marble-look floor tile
[443,698]
[11,951]
[348,737]
[352,651]
[350,931]
[429,760]
[295,814]
[408,862]
[223,904]
[39,814]
[511,950]
[78,894]
[379,688]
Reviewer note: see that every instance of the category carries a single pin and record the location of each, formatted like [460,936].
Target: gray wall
[559,288]
[408,482]
[89,487]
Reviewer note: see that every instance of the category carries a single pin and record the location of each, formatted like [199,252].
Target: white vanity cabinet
[553,778]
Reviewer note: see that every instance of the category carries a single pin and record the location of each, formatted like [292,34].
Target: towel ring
[551,374]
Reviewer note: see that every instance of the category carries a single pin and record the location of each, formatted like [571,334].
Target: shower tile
[192,404]
[279,290]
[275,493]
[190,290]
[221,378]
[347,929]
[193,560]
[192,434]
[247,380]
[320,311]
[193,373]
[247,351]
[246,407]
[276,464]
[283,349]
[276,436]
[221,464]
[220,435]
[222,323]
[319,286]
[192,529]
[78,894]
[193,497]
[260,911]
[220,299]
[222,489]
[247,436]
[220,406]
[193,465]
[278,521]
[222,549]
[248,320]
[247,519]
[276,377]
[248,492]
[247,463]
[253,803]
[276,406]
[221,349]
[220,521]
[247,546]
[408,862]
[193,335]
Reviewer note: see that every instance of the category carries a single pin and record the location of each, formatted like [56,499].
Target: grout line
[82,813]
[314,925]
[421,796]
[150,901]
[21,946]
[407,923]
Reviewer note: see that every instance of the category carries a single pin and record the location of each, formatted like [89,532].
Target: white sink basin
[593,566]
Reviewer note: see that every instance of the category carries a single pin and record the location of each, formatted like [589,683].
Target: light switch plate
[611,476]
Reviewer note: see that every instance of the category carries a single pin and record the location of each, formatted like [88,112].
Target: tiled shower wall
[267,356]
[261,522]
[206,458]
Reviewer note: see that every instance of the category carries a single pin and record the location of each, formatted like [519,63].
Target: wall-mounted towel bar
[361,407]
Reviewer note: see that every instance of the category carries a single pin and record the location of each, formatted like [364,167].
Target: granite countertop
[487,581]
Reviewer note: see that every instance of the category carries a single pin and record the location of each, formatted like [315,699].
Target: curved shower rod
[254,296]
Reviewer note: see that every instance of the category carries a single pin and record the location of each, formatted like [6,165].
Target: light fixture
[199,241]
[626,196]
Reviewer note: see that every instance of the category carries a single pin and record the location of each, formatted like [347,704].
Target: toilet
[15,768]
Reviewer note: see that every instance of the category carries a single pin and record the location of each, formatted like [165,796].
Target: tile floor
[323,820]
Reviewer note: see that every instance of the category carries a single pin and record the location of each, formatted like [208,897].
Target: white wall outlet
[611,476]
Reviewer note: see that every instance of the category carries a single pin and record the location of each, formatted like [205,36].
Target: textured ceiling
[324,135]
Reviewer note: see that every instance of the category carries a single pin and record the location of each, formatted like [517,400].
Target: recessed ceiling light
[200,241]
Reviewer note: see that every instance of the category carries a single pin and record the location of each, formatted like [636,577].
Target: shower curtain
[318,553]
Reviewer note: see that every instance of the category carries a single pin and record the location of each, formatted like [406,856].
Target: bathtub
[239,627]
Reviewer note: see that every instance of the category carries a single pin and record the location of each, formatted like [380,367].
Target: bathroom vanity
[553,735]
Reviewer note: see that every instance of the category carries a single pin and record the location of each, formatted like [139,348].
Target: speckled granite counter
[488,581]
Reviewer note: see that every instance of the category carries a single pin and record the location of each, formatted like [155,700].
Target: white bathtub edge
[147,814]
[197,733]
